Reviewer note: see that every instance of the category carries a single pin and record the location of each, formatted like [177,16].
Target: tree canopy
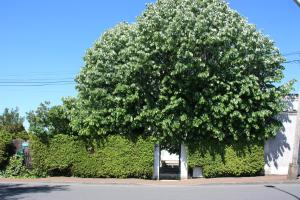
[11,121]
[186,71]
[49,120]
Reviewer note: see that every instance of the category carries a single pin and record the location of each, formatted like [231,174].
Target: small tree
[187,71]
[49,121]
[11,121]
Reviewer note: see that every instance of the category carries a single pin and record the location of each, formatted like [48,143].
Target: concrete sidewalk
[192,182]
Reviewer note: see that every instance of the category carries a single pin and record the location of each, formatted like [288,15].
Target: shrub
[5,147]
[116,157]
[39,153]
[63,151]
[121,158]
[220,160]
[87,167]
[16,169]
[55,156]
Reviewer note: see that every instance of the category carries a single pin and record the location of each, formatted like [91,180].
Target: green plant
[16,169]
[186,71]
[38,150]
[116,157]
[46,120]
[121,158]
[228,160]
[11,121]
[5,147]
[63,152]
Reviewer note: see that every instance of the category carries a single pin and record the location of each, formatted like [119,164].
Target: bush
[55,156]
[38,151]
[220,160]
[121,158]
[5,148]
[87,167]
[16,169]
[63,152]
[116,157]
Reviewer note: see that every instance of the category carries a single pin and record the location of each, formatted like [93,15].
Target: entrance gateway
[170,166]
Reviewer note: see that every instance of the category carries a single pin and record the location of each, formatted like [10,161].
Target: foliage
[228,160]
[48,120]
[21,135]
[16,169]
[39,153]
[117,157]
[11,121]
[186,71]
[63,152]
[5,147]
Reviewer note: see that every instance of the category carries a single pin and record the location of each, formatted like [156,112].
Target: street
[36,191]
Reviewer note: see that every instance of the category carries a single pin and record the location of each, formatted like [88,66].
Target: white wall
[279,150]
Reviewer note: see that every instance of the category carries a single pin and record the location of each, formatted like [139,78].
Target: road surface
[35,191]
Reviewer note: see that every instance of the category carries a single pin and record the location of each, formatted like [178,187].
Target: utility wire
[43,73]
[46,81]
[292,61]
[35,82]
[295,53]
[35,85]
[292,53]
[36,79]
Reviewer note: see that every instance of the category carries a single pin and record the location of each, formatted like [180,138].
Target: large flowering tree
[186,71]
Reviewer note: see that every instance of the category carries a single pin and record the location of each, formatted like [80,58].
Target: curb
[136,182]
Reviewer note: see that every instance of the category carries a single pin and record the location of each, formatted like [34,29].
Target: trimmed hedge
[228,160]
[5,147]
[118,157]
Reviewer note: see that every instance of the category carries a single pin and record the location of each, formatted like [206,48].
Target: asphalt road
[138,192]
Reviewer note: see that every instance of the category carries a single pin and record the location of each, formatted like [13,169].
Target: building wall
[279,150]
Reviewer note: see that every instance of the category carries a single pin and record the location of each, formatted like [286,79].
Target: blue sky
[46,40]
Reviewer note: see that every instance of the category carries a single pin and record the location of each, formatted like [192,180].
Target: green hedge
[120,158]
[5,147]
[219,160]
[117,157]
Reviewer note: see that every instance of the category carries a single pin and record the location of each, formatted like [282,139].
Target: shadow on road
[281,190]
[18,191]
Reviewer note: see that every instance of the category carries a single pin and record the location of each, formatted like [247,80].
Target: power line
[292,53]
[292,61]
[34,82]
[46,81]
[36,79]
[43,72]
[35,85]
[40,74]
